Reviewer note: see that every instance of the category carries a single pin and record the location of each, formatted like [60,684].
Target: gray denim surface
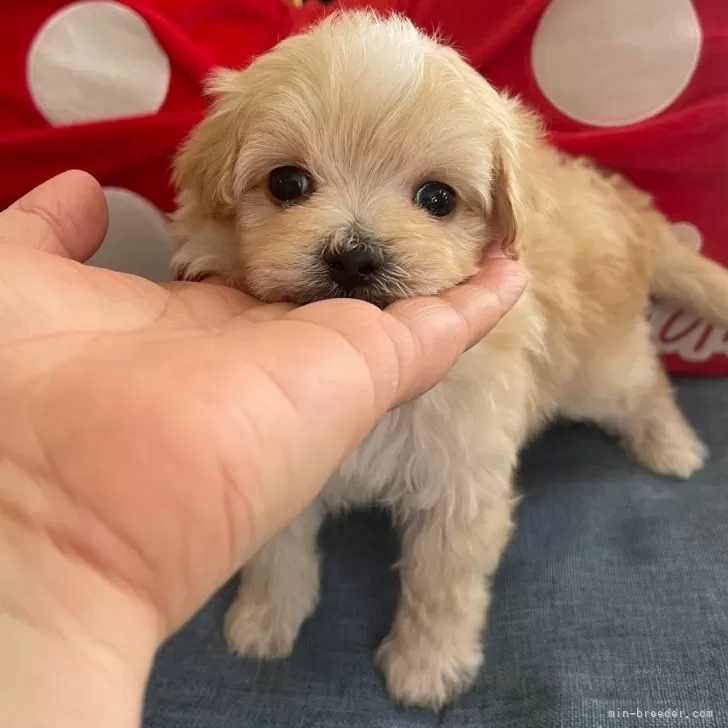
[613,596]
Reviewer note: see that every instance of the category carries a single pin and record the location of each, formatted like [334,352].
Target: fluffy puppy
[365,159]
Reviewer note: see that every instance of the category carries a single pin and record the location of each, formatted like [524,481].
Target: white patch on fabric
[616,62]
[138,240]
[95,61]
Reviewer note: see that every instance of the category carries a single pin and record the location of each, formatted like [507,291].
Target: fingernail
[493,250]
[515,282]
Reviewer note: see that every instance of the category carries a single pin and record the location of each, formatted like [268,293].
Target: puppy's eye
[436,198]
[289,184]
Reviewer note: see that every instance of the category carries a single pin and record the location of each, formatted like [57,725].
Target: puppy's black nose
[353,267]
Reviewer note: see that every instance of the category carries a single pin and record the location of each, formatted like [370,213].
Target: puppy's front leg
[279,590]
[435,647]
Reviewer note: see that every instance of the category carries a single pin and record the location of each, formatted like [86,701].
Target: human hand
[153,437]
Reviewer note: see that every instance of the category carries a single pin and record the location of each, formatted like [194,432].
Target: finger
[488,296]
[438,330]
[412,345]
[67,215]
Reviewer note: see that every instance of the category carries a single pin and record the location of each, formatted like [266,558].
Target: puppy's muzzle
[356,265]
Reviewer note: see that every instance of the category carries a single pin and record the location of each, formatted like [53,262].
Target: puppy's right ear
[205,165]
[514,174]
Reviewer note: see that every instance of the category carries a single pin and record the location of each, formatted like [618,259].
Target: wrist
[50,681]
[75,648]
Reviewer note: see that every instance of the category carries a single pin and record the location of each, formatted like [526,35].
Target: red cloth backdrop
[639,87]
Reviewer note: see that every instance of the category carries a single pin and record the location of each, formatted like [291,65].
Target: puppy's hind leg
[633,398]
[279,591]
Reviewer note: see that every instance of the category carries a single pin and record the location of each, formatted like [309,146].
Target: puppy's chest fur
[394,466]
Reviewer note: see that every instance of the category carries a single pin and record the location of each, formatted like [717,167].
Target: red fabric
[679,155]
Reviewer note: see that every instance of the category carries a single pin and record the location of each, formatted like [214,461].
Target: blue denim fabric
[613,596]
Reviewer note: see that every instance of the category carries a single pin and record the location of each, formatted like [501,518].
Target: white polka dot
[96,60]
[138,240]
[689,235]
[615,62]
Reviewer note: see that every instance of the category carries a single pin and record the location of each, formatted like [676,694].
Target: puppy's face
[360,160]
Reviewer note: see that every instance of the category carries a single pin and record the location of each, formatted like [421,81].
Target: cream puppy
[365,159]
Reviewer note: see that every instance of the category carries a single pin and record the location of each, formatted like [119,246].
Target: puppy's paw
[260,630]
[679,454]
[419,673]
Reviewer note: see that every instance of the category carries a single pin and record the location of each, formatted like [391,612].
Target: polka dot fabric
[113,87]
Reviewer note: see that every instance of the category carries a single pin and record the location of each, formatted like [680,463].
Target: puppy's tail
[683,276]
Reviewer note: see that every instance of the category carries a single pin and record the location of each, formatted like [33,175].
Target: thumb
[67,216]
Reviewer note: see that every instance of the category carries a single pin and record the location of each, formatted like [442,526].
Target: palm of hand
[142,375]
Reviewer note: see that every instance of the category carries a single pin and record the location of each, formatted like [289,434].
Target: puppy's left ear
[514,176]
